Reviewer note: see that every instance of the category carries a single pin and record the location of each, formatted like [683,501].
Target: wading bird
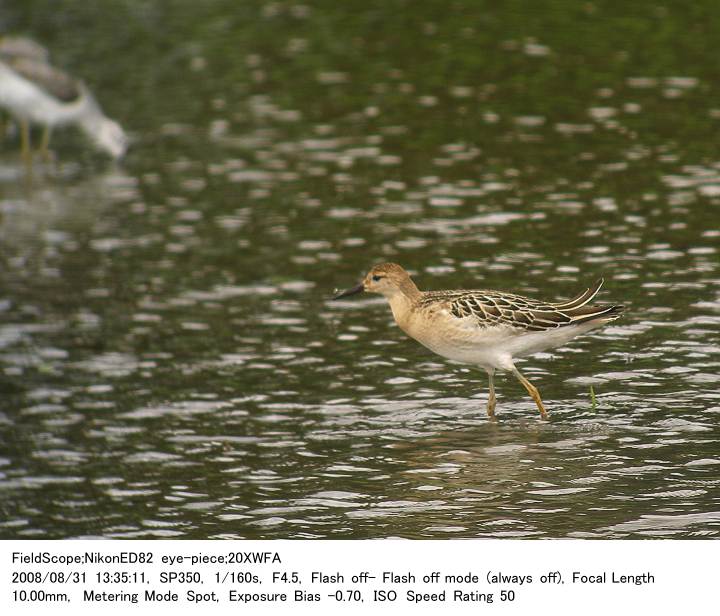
[35,92]
[490,329]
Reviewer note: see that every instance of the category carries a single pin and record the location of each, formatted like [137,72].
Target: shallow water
[170,365]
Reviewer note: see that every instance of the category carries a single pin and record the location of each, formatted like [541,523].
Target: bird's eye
[377,278]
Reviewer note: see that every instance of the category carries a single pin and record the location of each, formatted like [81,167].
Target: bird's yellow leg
[45,144]
[532,390]
[25,152]
[492,401]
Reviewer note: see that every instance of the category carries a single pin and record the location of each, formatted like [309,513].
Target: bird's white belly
[490,347]
[15,93]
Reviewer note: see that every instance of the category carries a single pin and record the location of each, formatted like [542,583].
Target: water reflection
[170,364]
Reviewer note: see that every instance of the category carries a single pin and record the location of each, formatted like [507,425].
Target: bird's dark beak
[354,291]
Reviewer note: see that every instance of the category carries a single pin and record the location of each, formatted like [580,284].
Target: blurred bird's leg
[25,152]
[44,150]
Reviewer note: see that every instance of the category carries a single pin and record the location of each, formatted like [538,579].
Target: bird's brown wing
[490,308]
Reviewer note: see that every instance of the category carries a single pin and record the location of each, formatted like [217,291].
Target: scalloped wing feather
[490,308]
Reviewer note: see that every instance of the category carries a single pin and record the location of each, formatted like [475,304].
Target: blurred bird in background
[36,93]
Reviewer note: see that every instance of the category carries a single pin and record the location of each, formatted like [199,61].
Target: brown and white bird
[489,329]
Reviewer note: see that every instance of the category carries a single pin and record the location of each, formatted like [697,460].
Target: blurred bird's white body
[26,101]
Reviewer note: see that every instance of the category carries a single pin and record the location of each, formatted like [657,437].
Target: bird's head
[387,279]
[110,137]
